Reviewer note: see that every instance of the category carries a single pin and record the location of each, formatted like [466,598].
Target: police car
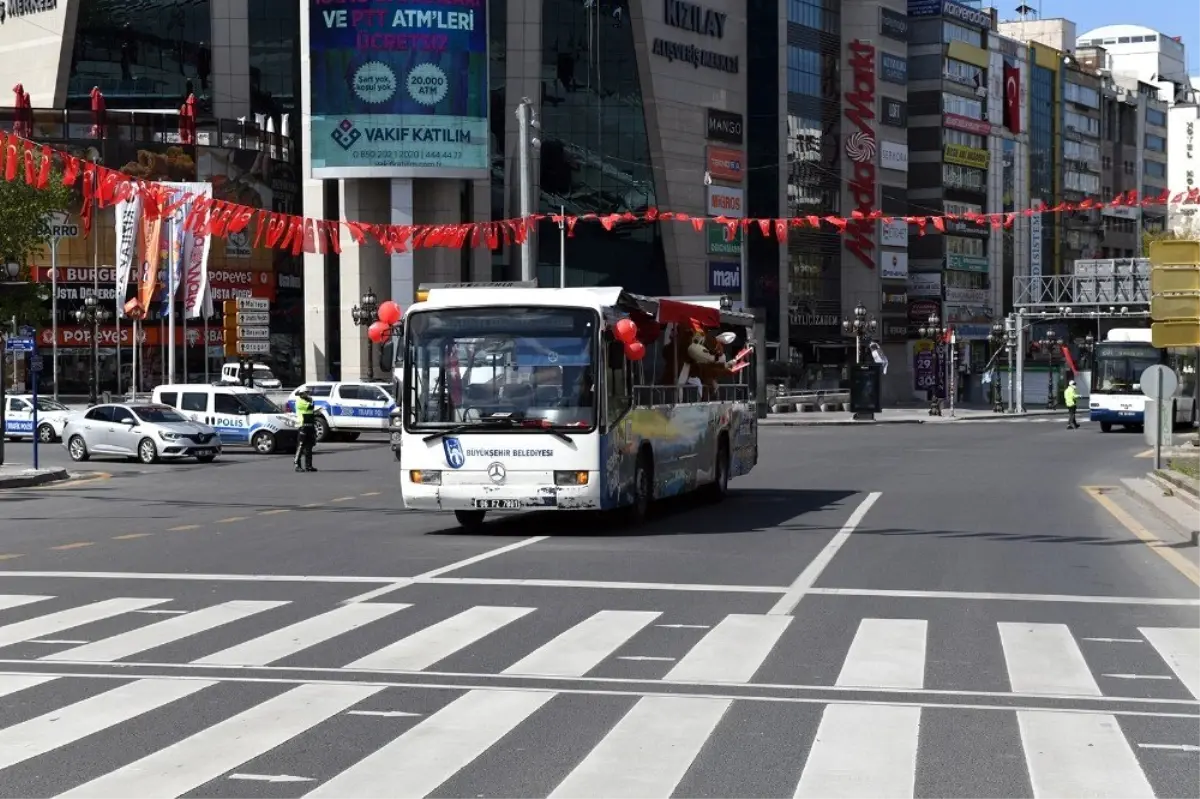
[241,416]
[18,418]
[346,409]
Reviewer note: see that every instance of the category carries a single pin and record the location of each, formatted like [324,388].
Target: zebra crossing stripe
[1180,649]
[1045,659]
[886,653]
[52,623]
[581,648]
[439,641]
[17,600]
[648,751]
[188,764]
[732,651]
[163,632]
[436,749]
[862,752]
[58,728]
[1080,754]
[12,683]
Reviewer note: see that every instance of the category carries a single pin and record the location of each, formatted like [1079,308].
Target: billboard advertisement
[399,88]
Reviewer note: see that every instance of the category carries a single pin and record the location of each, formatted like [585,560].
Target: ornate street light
[364,315]
[1050,341]
[861,326]
[92,314]
[998,338]
[933,329]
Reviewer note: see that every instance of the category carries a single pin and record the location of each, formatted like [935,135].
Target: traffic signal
[230,325]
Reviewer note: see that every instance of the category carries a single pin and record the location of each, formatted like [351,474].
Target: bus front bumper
[520,491]
[1117,417]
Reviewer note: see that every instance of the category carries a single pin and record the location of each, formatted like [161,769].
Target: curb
[1179,521]
[841,423]
[41,478]
[1177,487]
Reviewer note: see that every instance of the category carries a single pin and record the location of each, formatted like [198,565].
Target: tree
[1148,238]
[26,214]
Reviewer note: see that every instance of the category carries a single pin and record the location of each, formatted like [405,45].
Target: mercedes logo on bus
[496,472]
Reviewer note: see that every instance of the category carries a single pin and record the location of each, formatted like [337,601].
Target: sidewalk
[902,416]
[16,475]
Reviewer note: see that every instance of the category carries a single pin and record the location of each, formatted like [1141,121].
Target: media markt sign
[717,245]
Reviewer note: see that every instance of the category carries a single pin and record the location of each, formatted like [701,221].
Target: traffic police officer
[305,418]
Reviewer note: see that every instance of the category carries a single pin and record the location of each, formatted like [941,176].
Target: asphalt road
[912,610]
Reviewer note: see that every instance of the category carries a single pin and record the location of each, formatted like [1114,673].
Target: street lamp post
[1011,335]
[1050,342]
[364,315]
[861,326]
[92,314]
[998,339]
[933,329]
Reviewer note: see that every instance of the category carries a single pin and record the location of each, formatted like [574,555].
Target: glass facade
[595,154]
[764,173]
[145,54]
[274,36]
[497,117]
[1042,155]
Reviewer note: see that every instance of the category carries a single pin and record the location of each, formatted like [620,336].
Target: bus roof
[597,298]
[1129,335]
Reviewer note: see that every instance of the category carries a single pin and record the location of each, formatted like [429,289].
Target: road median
[20,477]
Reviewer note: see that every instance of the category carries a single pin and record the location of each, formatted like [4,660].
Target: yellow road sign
[1175,252]
[1165,307]
[1174,278]
[1175,334]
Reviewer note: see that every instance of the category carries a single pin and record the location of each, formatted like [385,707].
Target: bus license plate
[497,504]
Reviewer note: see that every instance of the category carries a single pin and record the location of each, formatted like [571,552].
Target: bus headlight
[570,478]
[425,477]
[394,421]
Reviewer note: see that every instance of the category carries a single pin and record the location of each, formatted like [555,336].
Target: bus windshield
[517,364]
[1118,368]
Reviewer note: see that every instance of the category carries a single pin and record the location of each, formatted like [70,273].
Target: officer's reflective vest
[304,411]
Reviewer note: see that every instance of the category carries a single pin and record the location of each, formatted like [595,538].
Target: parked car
[347,408]
[147,431]
[243,417]
[18,418]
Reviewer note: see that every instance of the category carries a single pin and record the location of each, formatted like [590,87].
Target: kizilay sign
[860,149]
[695,19]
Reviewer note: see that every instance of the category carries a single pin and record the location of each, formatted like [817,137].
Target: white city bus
[519,399]
[1116,392]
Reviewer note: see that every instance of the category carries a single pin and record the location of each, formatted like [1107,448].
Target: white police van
[231,375]
[18,418]
[241,416]
[345,409]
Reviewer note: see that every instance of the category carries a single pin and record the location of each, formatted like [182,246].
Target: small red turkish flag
[1012,98]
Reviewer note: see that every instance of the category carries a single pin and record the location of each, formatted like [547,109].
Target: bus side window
[616,380]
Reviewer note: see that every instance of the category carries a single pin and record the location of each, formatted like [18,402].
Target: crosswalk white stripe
[1080,754]
[732,651]
[1180,648]
[188,764]
[163,632]
[886,653]
[58,728]
[11,683]
[1044,659]
[297,637]
[17,600]
[51,623]
[438,642]
[648,751]
[581,648]
[436,749]
[862,752]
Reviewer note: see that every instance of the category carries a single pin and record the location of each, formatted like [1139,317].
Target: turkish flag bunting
[1012,98]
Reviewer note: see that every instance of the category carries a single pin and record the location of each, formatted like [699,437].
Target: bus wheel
[1106,427]
[470,519]
[643,490]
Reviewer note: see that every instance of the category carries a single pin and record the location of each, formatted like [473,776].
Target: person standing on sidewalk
[1071,397]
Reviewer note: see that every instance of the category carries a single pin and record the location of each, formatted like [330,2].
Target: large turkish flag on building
[1012,98]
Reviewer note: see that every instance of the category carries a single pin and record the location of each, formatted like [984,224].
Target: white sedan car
[142,430]
[18,418]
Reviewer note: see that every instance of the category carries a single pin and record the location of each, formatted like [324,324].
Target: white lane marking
[57,641]
[51,623]
[1116,640]
[584,646]
[76,721]
[163,612]
[684,626]
[8,601]
[202,578]
[888,653]
[999,597]
[1172,747]
[647,752]
[287,641]
[732,651]
[439,641]
[519,582]
[1071,754]
[437,748]
[11,683]
[188,764]
[647,658]
[1179,647]
[862,752]
[1140,676]
[270,778]
[386,714]
[164,632]
[1044,659]
[461,564]
[808,578]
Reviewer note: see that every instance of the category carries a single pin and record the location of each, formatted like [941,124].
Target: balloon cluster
[389,314]
[626,332]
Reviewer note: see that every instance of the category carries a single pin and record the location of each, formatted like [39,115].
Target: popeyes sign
[860,151]
[150,335]
[226,284]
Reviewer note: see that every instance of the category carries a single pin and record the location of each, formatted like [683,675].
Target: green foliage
[25,217]
[1148,238]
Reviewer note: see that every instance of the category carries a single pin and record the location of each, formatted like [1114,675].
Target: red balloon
[389,313]
[635,351]
[625,331]
[379,332]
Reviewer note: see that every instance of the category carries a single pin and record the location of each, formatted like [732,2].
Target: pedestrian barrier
[811,402]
